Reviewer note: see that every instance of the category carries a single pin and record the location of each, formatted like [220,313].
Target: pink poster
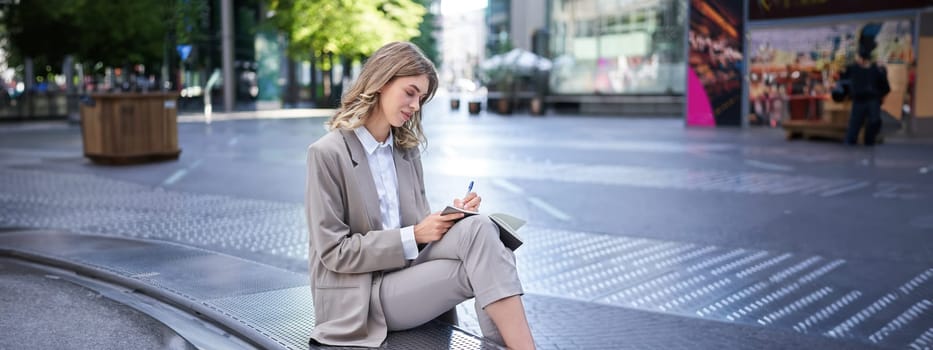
[714,68]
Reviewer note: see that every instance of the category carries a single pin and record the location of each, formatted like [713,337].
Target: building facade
[617,47]
[799,48]
[462,45]
[619,56]
[205,57]
[629,57]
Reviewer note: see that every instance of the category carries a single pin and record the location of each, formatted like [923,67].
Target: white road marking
[556,213]
[180,173]
[768,166]
[852,187]
[508,186]
[538,202]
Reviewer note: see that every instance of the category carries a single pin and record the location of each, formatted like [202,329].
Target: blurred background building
[620,56]
[611,57]
[617,57]
[206,58]
[795,52]
[463,44]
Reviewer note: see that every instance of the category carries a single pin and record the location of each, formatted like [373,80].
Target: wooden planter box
[128,128]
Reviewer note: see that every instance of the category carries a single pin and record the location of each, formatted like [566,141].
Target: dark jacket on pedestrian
[867,83]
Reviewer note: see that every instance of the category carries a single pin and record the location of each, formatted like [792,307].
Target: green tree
[425,39]
[113,33]
[117,33]
[31,24]
[344,29]
[348,28]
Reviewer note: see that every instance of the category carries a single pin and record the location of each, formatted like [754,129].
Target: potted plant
[474,107]
[475,101]
[501,79]
[540,90]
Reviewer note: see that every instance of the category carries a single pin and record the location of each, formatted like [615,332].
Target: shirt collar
[369,142]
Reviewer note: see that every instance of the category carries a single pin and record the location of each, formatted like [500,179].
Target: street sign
[183,51]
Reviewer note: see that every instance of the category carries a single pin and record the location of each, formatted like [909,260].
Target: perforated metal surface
[434,335]
[37,199]
[215,276]
[762,183]
[558,320]
[258,297]
[806,293]
[144,261]
[287,315]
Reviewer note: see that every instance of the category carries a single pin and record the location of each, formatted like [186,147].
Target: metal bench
[264,306]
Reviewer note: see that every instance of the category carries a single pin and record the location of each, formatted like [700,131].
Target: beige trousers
[469,261]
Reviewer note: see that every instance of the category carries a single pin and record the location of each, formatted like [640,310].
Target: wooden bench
[831,126]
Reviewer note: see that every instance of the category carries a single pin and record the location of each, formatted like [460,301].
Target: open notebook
[508,225]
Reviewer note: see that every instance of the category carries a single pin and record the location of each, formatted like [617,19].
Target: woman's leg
[509,317]
[487,268]
[490,268]
[420,293]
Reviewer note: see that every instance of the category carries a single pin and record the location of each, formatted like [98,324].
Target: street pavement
[641,233]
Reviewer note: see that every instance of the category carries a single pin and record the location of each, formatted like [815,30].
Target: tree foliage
[425,39]
[122,32]
[349,28]
[31,25]
[113,33]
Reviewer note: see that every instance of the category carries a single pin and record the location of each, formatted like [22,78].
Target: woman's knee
[472,230]
[481,228]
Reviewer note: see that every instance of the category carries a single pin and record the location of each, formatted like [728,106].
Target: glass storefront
[800,64]
[617,47]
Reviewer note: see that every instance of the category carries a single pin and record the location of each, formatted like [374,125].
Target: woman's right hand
[434,226]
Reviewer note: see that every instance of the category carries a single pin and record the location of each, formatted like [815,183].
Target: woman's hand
[434,226]
[471,202]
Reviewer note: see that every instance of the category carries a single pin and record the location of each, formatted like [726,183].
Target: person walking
[379,260]
[868,84]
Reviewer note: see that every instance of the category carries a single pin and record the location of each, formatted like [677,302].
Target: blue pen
[469,188]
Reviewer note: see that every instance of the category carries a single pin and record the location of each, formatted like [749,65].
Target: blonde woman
[379,259]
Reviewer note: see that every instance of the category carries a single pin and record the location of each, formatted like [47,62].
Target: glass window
[614,49]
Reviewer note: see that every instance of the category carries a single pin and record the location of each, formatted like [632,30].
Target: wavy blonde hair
[393,60]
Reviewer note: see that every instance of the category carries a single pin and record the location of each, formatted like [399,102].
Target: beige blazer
[348,250]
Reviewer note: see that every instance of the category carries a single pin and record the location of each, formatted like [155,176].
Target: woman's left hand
[470,202]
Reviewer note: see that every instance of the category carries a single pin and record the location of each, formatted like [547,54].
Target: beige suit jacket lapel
[364,178]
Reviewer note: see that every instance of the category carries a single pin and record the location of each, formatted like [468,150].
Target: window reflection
[617,47]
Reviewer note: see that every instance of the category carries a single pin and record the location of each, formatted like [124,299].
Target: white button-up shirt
[382,166]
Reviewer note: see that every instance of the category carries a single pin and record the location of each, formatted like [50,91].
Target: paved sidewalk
[192,117]
[273,233]
[641,234]
[43,311]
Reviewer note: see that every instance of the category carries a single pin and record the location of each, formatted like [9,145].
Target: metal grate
[807,293]
[275,303]
[287,315]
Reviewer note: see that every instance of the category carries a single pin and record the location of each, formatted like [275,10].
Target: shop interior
[792,70]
